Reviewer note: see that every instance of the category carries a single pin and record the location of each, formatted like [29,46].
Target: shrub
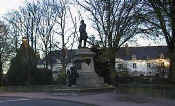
[42,76]
[102,65]
[23,69]
[61,80]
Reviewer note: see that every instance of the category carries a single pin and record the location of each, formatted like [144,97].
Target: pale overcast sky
[8,5]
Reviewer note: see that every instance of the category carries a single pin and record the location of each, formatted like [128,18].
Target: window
[134,65]
[125,67]
[148,65]
[120,66]
[162,65]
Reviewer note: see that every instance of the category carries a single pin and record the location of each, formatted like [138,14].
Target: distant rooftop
[141,53]
[126,53]
[57,54]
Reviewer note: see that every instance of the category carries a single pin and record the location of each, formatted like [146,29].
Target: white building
[56,67]
[143,61]
[55,62]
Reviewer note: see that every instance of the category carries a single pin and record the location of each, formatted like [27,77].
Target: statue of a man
[83,34]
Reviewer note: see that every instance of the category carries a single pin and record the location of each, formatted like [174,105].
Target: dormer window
[134,65]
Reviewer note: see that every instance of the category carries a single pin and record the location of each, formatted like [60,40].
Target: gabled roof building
[142,53]
[143,61]
[138,61]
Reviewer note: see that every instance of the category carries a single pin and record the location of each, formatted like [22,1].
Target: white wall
[56,68]
[141,67]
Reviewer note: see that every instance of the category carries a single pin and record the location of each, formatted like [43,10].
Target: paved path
[100,99]
[19,101]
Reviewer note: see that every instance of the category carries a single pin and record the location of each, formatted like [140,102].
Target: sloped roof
[142,53]
[126,53]
[54,55]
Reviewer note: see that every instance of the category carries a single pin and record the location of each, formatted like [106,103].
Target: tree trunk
[172,65]
[16,43]
[63,59]
[35,43]
[1,70]
[46,56]
[172,46]
[111,62]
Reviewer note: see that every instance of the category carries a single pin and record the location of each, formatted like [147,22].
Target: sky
[9,5]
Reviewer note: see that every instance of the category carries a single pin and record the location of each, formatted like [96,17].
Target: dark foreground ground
[20,101]
[82,99]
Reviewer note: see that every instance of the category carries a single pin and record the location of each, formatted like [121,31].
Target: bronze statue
[83,34]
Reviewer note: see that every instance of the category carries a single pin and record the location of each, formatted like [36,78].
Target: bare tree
[12,19]
[5,46]
[44,23]
[61,21]
[159,15]
[66,28]
[24,22]
[35,21]
[48,12]
[115,21]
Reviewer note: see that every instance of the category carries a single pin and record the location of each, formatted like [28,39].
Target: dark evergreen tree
[23,70]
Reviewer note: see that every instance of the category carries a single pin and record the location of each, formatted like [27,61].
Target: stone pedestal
[83,60]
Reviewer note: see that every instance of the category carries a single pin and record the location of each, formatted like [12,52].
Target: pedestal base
[89,80]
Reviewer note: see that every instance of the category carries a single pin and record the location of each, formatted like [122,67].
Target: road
[17,101]
[99,99]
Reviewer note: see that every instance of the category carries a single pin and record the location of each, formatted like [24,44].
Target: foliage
[6,47]
[115,20]
[61,80]
[113,76]
[45,77]
[101,64]
[159,19]
[20,68]
[23,69]
[123,74]
[47,24]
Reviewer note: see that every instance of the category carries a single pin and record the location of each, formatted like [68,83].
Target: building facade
[55,60]
[143,61]
[137,61]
